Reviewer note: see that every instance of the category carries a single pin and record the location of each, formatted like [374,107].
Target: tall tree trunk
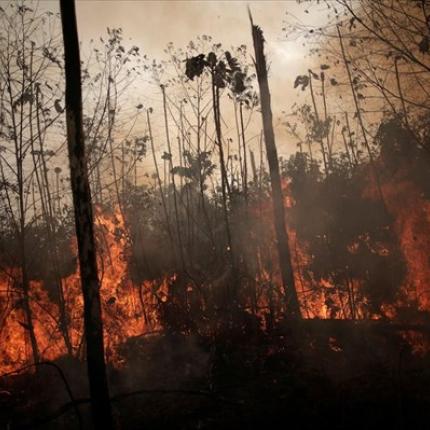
[254,168]
[350,141]
[292,302]
[160,185]
[172,179]
[320,139]
[245,163]
[100,403]
[239,144]
[225,191]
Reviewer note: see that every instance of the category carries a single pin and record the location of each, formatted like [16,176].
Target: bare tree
[100,402]
[285,264]
[25,60]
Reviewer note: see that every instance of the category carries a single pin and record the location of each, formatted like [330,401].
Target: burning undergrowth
[359,251]
[197,331]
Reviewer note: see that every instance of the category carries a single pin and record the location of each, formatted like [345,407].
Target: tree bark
[292,302]
[100,403]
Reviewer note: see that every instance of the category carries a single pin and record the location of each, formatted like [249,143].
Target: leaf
[220,75]
[233,63]
[211,59]
[238,82]
[182,171]
[314,75]
[301,80]
[57,106]
[194,66]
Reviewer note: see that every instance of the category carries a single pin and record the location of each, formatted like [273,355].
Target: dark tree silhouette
[293,307]
[100,403]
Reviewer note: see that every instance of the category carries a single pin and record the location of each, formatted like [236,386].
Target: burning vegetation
[237,287]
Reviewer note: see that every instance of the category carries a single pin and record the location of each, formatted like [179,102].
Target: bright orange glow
[122,301]
[131,309]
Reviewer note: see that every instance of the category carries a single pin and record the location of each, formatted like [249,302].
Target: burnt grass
[337,375]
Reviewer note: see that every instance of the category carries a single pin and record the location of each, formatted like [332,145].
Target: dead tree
[292,302]
[100,403]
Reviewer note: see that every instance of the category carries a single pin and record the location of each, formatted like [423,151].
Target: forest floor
[337,375]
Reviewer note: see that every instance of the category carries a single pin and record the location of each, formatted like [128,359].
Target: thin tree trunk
[351,144]
[239,145]
[329,143]
[345,144]
[111,122]
[160,185]
[201,179]
[225,189]
[20,225]
[254,168]
[172,179]
[182,141]
[99,391]
[320,139]
[292,302]
[360,120]
[245,164]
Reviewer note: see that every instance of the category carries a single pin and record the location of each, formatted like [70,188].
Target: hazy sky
[153,24]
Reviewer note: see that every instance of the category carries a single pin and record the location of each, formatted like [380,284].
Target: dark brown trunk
[254,168]
[99,392]
[245,164]
[292,302]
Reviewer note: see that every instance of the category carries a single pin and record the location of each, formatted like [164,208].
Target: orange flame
[128,309]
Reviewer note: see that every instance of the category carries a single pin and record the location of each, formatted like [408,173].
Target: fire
[14,331]
[128,310]
[411,225]
[131,309]
[411,212]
